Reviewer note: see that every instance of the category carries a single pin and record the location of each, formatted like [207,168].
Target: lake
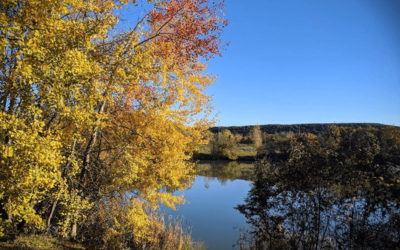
[292,207]
[220,187]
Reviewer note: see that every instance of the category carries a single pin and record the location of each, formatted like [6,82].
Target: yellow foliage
[87,116]
[255,134]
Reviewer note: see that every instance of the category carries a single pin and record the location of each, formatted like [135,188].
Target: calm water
[294,207]
[213,195]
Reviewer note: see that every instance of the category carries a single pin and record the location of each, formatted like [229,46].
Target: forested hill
[314,128]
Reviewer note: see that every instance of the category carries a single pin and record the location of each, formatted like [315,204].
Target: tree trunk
[86,162]
[92,141]
[73,230]
[51,215]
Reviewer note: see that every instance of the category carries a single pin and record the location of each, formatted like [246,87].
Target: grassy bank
[170,236]
[236,152]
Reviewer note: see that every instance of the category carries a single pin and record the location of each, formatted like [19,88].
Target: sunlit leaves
[90,111]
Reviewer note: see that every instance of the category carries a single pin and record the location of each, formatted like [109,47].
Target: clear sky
[309,61]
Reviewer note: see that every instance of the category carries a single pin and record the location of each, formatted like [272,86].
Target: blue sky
[309,61]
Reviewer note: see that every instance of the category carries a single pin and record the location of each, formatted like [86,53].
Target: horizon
[338,123]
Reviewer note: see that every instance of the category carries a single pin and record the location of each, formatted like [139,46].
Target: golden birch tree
[95,119]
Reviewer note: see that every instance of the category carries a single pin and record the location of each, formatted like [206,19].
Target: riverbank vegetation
[256,144]
[329,194]
[98,114]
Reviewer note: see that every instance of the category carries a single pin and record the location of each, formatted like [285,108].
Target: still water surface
[211,198]
[294,207]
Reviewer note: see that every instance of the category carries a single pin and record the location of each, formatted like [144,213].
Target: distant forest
[313,128]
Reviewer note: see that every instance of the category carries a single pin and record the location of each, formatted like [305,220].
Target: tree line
[385,141]
[313,128]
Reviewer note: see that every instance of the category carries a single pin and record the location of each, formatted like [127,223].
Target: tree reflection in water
[323,198]
[225,170]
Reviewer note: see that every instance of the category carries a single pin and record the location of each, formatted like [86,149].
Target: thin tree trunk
[51,215]
[86,162]
[92,141]
[74,230]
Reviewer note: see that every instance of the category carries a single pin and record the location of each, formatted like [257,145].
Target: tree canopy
[91,109]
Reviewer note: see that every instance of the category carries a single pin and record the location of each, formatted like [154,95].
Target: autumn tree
[91,110]
[223,144]
[256,136]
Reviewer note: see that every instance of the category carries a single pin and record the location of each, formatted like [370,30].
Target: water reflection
[225,170]
[334,207]
[221,172]
[209,210]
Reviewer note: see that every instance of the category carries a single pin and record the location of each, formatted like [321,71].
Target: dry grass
[173,236]
[170,236]
[245,150]
[39,242]
[205,149]
[241,150]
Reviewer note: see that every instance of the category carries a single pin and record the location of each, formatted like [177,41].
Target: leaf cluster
[96,117]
